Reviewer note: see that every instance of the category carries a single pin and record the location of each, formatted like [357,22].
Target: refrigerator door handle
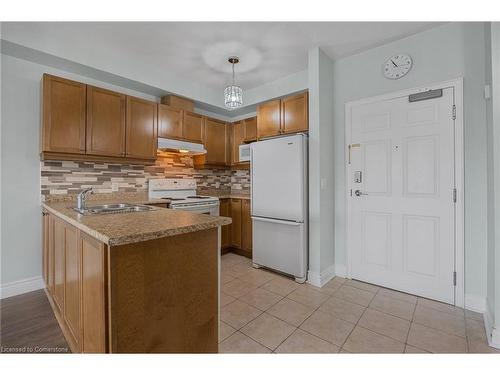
[294,223]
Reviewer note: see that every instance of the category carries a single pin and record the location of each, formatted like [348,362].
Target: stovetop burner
[198,197]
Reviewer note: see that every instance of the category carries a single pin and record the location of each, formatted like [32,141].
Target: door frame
[457,84]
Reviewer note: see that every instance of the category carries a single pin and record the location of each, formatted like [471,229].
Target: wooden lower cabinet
[240,230]
[246,226]
[236,224]
[93,294]
[127,299]
[76,264]
[225,210]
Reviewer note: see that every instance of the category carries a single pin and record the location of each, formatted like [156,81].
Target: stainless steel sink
[112,209]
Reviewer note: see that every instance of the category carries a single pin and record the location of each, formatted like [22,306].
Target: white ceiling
[198,51]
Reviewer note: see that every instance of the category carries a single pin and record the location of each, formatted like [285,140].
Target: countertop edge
[124,240]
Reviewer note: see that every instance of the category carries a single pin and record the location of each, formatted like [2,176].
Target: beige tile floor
[264,312]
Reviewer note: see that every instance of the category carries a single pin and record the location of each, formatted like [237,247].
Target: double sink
[112,209]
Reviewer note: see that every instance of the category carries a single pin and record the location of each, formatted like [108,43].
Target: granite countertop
[124,228]
[224,194]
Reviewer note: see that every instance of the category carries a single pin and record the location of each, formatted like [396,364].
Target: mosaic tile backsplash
[69,177]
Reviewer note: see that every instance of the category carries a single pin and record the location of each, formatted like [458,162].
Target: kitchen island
[141,282]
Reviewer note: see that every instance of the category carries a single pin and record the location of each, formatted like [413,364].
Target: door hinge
[454,112]
[454,195]
[454,278]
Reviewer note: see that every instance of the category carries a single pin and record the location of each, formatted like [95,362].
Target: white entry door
[402,211]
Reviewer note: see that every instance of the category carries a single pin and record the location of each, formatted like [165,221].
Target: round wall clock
[397,66]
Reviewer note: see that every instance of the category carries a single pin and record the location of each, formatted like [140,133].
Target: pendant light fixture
[233,95]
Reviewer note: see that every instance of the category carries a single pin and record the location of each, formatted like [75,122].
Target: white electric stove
[181,192]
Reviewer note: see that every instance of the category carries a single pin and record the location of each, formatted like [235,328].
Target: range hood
[188,148]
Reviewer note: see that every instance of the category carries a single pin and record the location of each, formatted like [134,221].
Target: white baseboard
[340,270]
[492,333]
[21,286]
[319,280]
[475,303]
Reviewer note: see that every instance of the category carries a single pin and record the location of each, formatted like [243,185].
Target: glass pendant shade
[233,96]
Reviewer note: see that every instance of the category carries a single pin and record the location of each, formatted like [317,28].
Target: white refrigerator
[280,204]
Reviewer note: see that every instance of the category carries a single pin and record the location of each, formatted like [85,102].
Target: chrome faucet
[81,198]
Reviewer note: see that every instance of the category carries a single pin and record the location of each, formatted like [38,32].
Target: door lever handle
[359,193]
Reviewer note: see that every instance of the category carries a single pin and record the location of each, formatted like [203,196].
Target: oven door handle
[200,205]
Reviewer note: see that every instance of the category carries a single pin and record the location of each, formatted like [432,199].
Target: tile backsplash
[69,177]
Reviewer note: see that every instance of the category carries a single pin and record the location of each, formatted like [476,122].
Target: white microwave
[244,152]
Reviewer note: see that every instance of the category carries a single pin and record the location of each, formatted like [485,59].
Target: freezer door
[280,245]
[278,175]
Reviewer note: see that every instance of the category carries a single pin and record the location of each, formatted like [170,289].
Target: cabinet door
[93,295]
[215,141]
[238,137]
[73,283]
[50,253]
[225,230]
[246,226]
[59,263]
[294,113]
[63,126]
[250,129]
[269,119]
[45,243]
[169,122]
[142,116]
[236,224]
[192,127]
[105,122]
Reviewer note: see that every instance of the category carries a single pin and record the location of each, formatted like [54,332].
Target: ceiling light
[233,95]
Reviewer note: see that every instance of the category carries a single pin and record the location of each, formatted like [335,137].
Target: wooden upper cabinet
[216,137]
[250,129]
[192,127]
[169,122]
[294,113]
[105,122]
[269,119]
[238,130]
[141,138]
[63,128]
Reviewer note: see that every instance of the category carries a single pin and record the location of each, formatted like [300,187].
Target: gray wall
[446,52]
[20,164]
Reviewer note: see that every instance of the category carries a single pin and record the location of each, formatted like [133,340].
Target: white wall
[446,52]
[321,193]
[492,33]
[20,165]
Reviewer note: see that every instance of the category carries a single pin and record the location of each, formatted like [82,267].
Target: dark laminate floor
[28,325]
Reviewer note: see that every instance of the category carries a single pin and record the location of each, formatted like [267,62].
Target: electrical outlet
[114,186]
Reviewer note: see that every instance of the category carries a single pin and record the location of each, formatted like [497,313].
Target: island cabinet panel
[142,128]
[72,284]
[250,129]
[49,241]
[294,113]
[45,244]
[269,119]
[246,227]
[93,295]
[63,121]
[169,122]
[236,224]
[225,210]
[59,264]
[164,295]
[216,138]
[238,130]
[192,127]
[105,122]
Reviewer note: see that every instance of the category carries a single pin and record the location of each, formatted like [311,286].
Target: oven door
[211,209]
